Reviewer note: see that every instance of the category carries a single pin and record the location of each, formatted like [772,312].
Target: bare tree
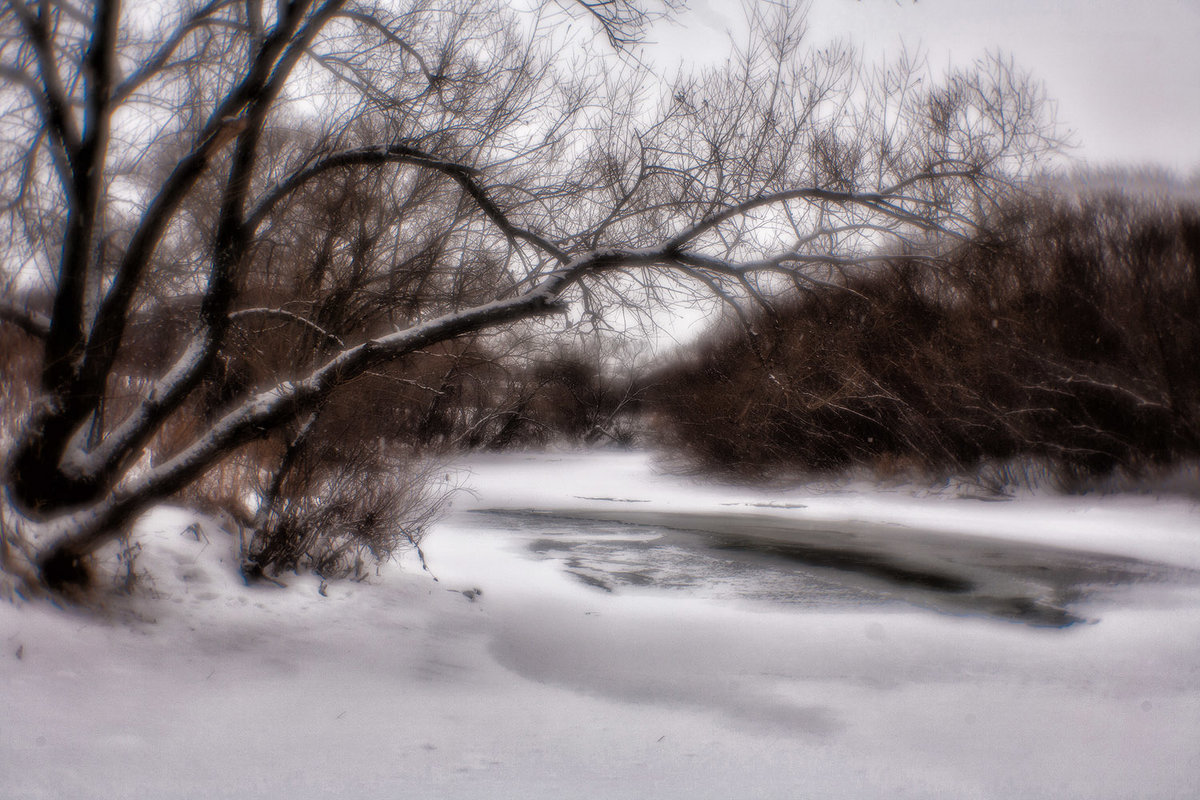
[168,170]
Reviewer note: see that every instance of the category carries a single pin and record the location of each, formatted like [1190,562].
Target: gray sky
[1125,74]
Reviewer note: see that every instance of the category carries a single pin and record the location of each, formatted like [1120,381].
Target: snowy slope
[546,687]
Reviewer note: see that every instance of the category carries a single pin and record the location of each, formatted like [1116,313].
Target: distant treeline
[1066,339]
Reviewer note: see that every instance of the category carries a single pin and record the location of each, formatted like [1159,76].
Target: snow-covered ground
[641,635]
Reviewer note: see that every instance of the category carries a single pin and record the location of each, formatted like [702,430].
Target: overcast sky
[1124,73]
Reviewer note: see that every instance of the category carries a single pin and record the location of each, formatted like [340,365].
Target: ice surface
[512,676]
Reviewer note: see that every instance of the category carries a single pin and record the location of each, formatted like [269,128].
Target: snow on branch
[289,316]
[34,323]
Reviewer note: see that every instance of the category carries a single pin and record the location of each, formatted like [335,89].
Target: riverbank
[513,677]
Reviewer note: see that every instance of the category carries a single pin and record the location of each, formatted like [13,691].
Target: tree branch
[400,153]
[56,100]
[65,344]
[372,22]
[158,60]
[881,201]
[288,316]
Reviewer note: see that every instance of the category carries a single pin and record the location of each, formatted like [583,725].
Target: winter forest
[606,398]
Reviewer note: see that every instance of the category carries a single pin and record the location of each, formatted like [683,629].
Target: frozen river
[844,641]
[852,566]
